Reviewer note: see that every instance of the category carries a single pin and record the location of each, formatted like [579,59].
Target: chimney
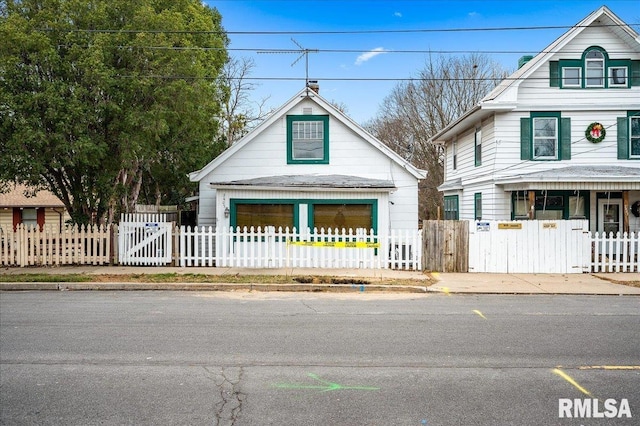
[313,85]
[523,60]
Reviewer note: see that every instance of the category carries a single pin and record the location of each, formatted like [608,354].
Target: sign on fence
[144,239]
[531,246]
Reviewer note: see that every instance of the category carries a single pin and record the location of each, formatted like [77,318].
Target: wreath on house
[595,132]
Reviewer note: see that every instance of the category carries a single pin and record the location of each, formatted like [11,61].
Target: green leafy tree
[104,100]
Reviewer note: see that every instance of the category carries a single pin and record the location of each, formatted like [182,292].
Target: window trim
[631,116]
[294,118]
[477,144]
[455,154]
[564,78]
[603,73]
[233,208]
[557,71]
[556,117]
[456,200]
[372,201]
[610,77]
[477,199]
[526,136]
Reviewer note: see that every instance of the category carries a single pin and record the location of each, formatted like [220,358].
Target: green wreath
[595,132]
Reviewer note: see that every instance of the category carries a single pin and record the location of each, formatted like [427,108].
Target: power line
[280,51]
[293,32]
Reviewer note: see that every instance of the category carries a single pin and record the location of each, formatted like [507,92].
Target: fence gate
[530,246]
[144,239]
[445,245]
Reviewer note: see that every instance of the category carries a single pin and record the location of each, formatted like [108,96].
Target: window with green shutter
[594,70]
[545,136]
[629,136]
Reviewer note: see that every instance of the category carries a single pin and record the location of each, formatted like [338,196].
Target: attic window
[594,70]
[307,111]
[307,139]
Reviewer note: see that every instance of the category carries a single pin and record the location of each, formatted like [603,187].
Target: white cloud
[473,14]
[397,14]
[370,54]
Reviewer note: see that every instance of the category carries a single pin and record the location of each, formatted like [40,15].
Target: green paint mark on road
[325,385]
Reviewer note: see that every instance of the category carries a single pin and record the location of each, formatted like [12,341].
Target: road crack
[229,399]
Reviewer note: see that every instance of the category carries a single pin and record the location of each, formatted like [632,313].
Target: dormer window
[594,64]
[594,70]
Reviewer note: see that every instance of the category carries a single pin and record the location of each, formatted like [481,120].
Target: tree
[238,113]
[414,111]
[104,100]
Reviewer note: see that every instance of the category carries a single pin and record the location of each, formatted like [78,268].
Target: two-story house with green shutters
[557,139]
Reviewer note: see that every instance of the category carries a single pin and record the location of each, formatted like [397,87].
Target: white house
[558,139]
[309,166]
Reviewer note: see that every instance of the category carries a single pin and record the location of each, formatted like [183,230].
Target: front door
[610,216]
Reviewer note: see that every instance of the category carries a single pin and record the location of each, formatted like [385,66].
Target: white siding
[501,135]
[349,154]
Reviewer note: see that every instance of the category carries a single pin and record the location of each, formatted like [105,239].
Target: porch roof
[309,181]
[607,178]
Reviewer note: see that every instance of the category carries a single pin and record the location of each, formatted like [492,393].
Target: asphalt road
[188,358]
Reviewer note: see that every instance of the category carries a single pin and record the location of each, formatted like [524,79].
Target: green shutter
[623,138]
[525,138]
[554,74]
[635,73]
[565,141]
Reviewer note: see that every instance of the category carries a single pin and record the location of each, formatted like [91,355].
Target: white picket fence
[615,253]
[271,248]
[144,239]
[79,245]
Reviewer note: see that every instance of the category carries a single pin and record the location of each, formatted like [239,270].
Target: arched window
[594,64]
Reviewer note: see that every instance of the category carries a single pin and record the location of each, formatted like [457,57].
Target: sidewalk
[377,281]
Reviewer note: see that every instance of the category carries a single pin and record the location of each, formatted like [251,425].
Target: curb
[123,286]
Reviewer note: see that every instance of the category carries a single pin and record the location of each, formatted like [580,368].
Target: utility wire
[408,31]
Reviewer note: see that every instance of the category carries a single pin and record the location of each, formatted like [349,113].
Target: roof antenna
[304,52]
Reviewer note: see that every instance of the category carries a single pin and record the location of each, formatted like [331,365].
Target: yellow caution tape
[336,244]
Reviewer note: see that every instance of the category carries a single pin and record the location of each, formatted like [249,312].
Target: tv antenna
[304,52]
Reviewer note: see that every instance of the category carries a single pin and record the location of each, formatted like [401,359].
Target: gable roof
[20,196]
[307,94]
[499,99]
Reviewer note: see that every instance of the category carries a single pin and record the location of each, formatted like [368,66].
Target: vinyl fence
[30,245]
[144,239]
[615,252]
[530,246]
[271,248]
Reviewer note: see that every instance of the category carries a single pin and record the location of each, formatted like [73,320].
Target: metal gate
[144,239]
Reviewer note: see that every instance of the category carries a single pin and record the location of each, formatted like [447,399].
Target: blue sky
[373,57]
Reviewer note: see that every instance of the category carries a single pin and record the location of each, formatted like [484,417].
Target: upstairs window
[594,65]
[571,77]
[617,76]
[545,136]
[629,136]
[594,70]
[478,146]
[455,155]
[307,139]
